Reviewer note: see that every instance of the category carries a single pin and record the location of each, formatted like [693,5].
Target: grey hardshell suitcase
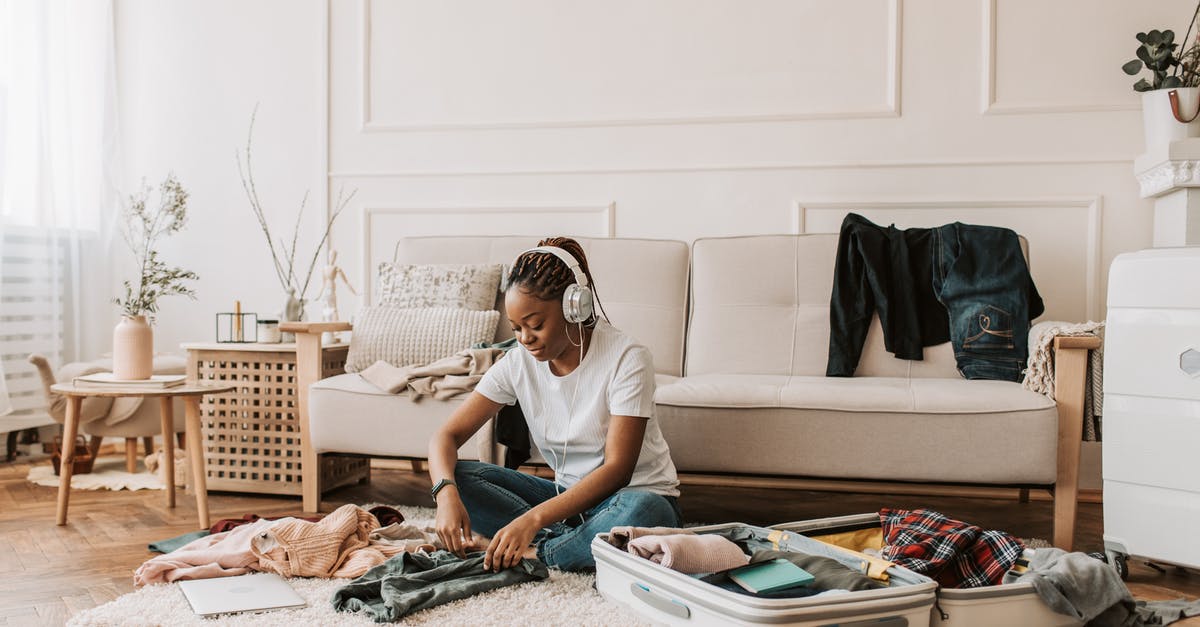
[665,596]
[1004,605]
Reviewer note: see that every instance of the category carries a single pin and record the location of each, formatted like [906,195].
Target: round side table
[189,391]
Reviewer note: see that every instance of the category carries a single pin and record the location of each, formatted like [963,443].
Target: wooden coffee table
[190,392]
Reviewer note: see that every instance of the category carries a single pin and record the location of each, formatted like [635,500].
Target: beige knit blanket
[442,379]
[338,545]
[346,543]
[1039,374]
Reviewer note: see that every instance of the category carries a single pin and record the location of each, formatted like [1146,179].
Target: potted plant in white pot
[133,338]
[1171,98]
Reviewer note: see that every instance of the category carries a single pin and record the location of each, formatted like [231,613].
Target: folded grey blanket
[443,379]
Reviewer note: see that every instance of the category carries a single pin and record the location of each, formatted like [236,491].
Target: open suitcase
[1004,605]
[665,596]
[1151,405]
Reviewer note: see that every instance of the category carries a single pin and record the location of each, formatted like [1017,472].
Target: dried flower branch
[284,258]
[142,229]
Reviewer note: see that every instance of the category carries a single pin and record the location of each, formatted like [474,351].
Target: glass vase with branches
[293,278]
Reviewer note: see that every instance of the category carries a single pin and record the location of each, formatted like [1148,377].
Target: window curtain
[58,187]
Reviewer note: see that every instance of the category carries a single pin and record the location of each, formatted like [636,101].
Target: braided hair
[547,277]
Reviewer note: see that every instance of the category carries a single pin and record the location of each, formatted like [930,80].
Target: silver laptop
[257,592]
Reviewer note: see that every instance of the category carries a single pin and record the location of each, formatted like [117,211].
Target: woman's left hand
[509,544]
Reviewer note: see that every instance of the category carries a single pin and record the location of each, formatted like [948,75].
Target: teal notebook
[770,576]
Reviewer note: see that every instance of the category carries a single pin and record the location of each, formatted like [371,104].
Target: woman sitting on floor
[587,392]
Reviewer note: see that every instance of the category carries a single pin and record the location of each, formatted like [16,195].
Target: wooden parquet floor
[49,573]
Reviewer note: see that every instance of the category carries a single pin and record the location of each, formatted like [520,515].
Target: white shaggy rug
[564,599]
[107,474]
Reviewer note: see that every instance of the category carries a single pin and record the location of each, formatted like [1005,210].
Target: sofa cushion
[468,286]
[882,428]
[349,415]
[418,336]
[760,305]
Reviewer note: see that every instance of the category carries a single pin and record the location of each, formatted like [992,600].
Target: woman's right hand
[453,525]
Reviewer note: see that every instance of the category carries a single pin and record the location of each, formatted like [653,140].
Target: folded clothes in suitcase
[993,606]
[665,596]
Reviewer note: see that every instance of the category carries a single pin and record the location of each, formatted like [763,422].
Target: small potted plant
[1171,98]
[133,339]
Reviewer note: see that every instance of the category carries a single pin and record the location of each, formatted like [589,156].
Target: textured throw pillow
[407,336]
[435,285]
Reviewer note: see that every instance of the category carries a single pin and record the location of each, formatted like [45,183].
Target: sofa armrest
[1070,380]
[309,369]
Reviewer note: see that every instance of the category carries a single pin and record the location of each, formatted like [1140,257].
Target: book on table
[108,379]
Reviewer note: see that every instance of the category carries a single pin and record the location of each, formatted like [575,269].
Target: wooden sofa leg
[181,438]
[1070,378]
[131,454]
[148,444]
[94,445]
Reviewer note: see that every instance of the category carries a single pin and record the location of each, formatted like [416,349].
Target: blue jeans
[980,275]
[495,496]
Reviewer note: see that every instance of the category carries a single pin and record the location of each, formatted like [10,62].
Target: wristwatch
[438,487]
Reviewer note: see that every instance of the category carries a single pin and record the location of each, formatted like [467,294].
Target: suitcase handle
[663,604]
[887,621]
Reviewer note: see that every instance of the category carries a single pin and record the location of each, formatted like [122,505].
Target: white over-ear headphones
[577,302]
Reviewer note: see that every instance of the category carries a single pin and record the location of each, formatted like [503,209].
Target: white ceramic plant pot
[133,348]
[1159,123]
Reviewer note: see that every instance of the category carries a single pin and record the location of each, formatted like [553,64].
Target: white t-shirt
[616,378]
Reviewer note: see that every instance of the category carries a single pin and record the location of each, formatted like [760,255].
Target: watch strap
[441,484]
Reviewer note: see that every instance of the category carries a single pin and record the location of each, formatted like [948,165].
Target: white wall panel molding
[323,70]
[991,103]
[1063,232]
[382,226]
[741,167]
[888,107]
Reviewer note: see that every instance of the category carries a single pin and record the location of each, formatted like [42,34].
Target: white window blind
[34,275]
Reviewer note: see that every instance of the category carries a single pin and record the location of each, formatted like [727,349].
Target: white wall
[190,74]
[673,118]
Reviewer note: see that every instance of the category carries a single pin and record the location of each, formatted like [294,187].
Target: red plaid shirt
[954,553]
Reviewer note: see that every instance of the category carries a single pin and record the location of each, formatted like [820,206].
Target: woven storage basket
[83,462]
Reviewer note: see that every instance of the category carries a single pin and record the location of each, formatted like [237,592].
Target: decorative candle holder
[237,328]
[268,332]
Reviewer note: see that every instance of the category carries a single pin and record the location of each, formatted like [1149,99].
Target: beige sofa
[742,397]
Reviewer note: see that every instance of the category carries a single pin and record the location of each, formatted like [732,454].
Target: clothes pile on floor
[400,568]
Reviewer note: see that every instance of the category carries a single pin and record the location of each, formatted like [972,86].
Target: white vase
[133,348]
[1159,123]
